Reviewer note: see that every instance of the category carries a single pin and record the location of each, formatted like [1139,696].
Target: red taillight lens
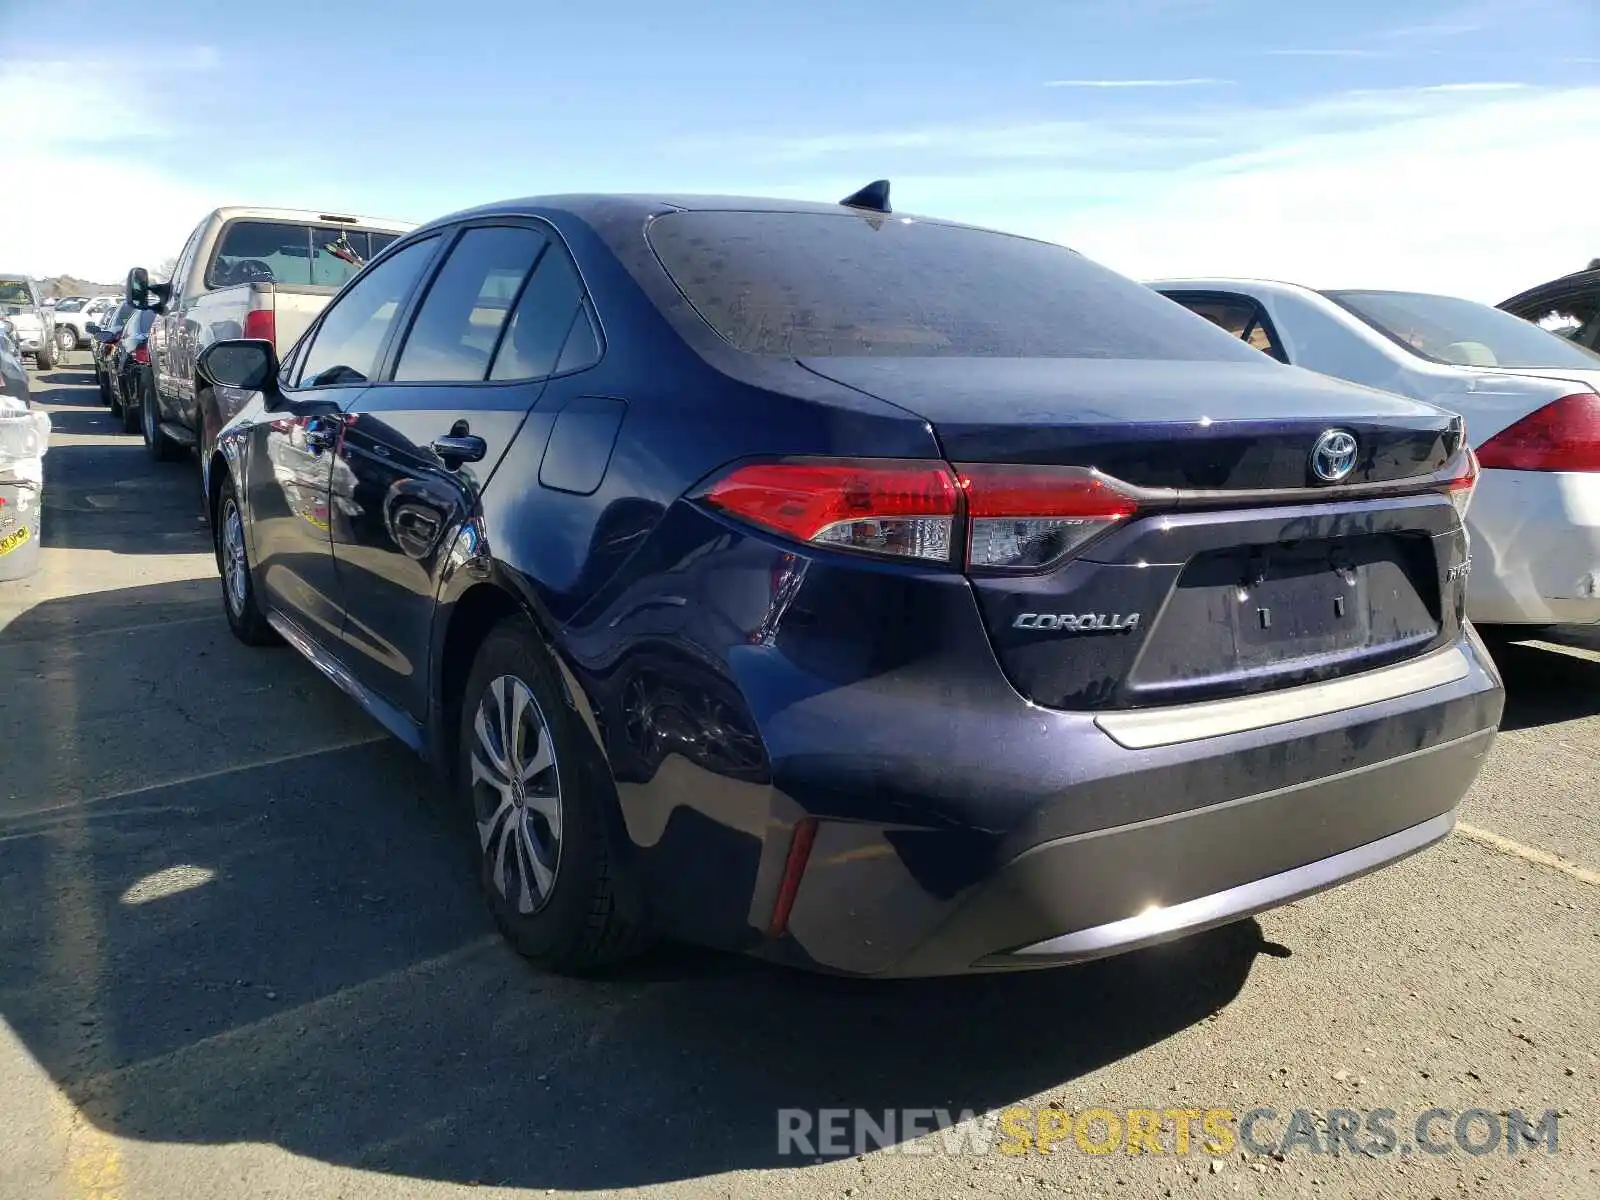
[898,507]
[1019,517]
[260,323]
[1027,517]
[141,354]
[1562,436]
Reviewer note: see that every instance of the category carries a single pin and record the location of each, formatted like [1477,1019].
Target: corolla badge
[1078,622]
[1334,455]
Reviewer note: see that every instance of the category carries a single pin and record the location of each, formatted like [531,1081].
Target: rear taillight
[141,354]
[259,323]
[897,507]
[1023,517]
[1562,436]
[1463,481]
[1017,518]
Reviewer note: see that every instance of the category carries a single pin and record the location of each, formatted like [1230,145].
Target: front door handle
[456,449]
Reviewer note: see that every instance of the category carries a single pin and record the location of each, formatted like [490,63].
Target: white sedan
[1531,402]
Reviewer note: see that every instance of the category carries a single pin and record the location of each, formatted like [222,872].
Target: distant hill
[68,285]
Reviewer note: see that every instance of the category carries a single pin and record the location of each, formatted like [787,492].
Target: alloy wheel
[235,572]
[66,341]
[516,794]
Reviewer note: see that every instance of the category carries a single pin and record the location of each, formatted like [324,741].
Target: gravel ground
[241,955]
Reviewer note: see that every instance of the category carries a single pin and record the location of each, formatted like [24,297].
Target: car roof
[312,217]
[1577,281]
[594,207]
[1226,284]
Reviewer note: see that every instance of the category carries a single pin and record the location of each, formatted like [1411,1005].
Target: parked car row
[1531,402]
[865,592]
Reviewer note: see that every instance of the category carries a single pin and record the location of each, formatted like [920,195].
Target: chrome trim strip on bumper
[1144,729]
[1235,903]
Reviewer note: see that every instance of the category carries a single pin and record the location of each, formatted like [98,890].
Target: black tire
[245,617]
[573,924]
[114,397]
[161,447]
[46,356]
[102,385]
[130,413]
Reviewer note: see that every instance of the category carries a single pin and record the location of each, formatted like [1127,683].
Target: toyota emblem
[1334,456]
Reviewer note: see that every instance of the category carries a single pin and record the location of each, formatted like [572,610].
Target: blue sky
[1352,142]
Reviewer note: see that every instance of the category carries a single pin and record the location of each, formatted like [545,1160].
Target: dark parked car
[13,375]
[128,368]
[1569,306]
[103,339]
[866,592]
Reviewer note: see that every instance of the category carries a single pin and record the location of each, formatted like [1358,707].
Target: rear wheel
[546,861]
[162,448]
[130,412]
[46,356]
[245,618]
[66,340]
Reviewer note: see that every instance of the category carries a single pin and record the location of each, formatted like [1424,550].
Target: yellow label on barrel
[12,540]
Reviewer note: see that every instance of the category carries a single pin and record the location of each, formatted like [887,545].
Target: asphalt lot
[242,953]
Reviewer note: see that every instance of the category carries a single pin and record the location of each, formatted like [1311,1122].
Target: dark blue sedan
[867,592]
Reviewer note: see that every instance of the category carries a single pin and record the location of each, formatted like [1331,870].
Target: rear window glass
[1445,329]
[818,284]
[297,255]
[14,294]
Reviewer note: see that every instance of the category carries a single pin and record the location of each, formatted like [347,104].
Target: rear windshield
[14,295]
[1464,333]
[297,255]
[815,284]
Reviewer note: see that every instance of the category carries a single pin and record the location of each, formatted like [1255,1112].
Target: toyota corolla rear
[1148,633]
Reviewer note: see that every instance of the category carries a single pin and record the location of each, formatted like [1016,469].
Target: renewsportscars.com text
[1374,1133]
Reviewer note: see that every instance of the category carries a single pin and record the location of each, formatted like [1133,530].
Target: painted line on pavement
[1529,853]
[201,776]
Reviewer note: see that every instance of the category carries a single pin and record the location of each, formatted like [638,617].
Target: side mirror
[91,327]
[139,287]
[248,364]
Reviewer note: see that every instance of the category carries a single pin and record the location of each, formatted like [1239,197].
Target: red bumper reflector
[794,867]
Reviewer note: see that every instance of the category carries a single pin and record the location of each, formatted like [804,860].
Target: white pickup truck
[244,272]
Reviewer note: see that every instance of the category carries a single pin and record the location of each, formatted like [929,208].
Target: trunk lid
[1187,425]
[1241,570]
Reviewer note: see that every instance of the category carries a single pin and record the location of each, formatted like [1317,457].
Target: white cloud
[1433,200]
[1475,87]
[1134,83]
[1327,53]
[92,206]
[1407,188]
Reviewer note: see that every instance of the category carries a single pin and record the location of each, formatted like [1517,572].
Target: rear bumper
[1108,892]
[1262,821]
[1535,548]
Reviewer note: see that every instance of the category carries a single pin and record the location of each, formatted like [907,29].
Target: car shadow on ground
[294,952]
[1545,686]
[113,497]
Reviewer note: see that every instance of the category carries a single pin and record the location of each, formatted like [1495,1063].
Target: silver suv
[33,325]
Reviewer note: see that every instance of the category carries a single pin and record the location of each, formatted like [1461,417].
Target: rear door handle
[456,449]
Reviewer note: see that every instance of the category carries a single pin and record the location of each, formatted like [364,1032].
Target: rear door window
[460,322]
[550,304]
[819,283]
